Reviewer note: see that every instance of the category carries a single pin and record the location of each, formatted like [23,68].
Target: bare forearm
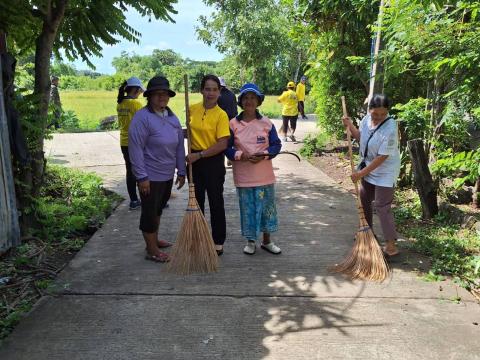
[373,165]
[354,131]
[347,122]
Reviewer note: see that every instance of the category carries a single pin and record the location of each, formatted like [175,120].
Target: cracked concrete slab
[110,303]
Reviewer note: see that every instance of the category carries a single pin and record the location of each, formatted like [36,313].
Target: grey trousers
[383,197]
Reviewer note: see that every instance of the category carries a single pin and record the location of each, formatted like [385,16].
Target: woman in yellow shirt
[210,130]
[127,106]
[290,110]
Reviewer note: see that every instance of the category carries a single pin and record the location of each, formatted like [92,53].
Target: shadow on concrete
[111,303]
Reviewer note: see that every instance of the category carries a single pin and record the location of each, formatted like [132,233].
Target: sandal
[163,244]
[387,254]
[161,258]
[271,248]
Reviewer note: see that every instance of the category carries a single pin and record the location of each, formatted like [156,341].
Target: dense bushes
[70,202]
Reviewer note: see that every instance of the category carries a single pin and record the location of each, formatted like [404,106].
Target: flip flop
[387,255]
[271,248]
[161,258]
[219,251]
[163,244]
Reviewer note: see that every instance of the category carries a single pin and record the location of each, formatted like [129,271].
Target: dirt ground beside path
[336,166]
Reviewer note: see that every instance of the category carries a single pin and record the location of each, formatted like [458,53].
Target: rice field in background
[92,106]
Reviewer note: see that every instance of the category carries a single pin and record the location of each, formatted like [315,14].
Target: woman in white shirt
[379,165]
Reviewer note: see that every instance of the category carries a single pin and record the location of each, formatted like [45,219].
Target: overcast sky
[180,37]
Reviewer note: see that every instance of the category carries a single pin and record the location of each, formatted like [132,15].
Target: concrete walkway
[112,304]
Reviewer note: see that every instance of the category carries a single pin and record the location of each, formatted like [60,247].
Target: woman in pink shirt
[252,145]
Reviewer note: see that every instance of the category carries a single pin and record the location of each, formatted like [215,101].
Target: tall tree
[252,32]
[76,27]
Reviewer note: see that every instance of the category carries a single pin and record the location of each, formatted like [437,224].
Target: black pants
[209,176]
[289,119]
[153,204]
[130,178]
[301,108]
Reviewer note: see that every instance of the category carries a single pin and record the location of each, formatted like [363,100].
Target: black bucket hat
[158,83]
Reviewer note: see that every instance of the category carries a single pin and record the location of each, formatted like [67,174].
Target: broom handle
[350,153]
[187,122]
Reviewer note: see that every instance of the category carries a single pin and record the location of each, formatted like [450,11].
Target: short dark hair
[209,77]
[379,101]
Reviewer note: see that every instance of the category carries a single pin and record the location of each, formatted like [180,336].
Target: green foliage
[453,251]
[431,50]
[60,68]
[160,62]
[70,202]
[12,318]
[414,119]
[145,67]
[92,106]
[69,121]
[255,37]
[85,27]
[313,143]
[71,28]
[340,48]
[71,206]
[462,167]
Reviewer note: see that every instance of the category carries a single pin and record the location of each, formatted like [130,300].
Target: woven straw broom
[365,260]
[194,249]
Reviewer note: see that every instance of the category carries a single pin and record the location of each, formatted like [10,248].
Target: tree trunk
[32,174]
[476,194]
[299,64]
[9,230]
[426,188]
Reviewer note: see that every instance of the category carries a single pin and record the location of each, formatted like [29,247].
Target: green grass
[453,250]
[92,106]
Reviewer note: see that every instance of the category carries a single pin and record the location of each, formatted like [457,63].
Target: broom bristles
[194,249]
[365,260]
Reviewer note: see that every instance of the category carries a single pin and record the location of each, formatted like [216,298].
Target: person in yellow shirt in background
[289,111]
[210,131]
[127,106]
[301,96]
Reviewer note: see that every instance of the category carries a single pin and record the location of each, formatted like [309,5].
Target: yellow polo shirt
[125,111]
[290,103]
[207,126]
[301,91]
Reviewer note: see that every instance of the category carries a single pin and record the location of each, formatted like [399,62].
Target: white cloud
[147,49]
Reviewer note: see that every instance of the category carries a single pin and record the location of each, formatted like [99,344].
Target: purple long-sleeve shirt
[155,146]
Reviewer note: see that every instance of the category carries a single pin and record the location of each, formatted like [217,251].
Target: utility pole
[376,82]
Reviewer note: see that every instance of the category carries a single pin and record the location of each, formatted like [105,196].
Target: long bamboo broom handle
[350,154]
[349,140]
[187,122]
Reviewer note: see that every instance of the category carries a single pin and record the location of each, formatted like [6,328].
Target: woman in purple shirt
[156,149]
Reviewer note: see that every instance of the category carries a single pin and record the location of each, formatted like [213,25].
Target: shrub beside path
[109,303]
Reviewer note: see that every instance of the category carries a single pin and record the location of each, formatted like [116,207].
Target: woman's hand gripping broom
[194,249]
[365,260]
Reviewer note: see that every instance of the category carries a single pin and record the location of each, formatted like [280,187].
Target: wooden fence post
[423,179]
[9,230]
